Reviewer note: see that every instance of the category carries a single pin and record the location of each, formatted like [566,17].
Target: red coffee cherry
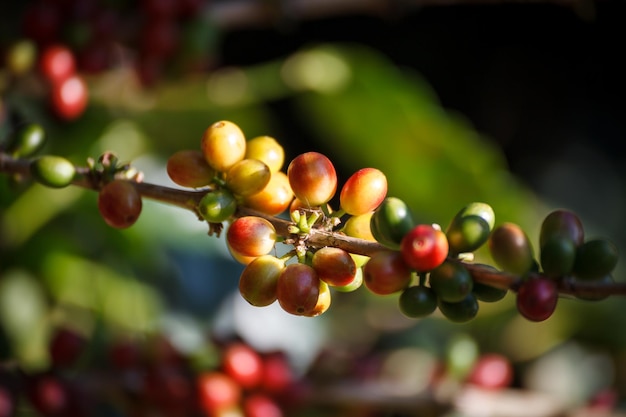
[261,405]
[259,279]
[65,347]
[313,178]
[363,191]
[57,63]
[251,236]
[217,392]
[243,364]
[386,273]
[188,168]
[424,248]
[69,97]
[491,371]
[334,266]
[298,289]
[119,204]
[537,299]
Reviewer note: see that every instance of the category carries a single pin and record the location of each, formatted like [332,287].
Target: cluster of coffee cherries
[147,376]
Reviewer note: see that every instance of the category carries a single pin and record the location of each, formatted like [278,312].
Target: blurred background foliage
[517,106]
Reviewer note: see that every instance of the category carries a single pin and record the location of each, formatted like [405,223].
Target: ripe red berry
[424,247]
[313,178]
[57,63]
[260,405]
[251,236]
[119,203]
[491,371]
[363,191]
[537,298]
[217,392]
[386,273]
[69,97]
[298,289]
[243,364]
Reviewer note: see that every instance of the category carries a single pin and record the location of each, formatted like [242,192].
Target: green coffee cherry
[562,223]
[27,141]
[53,171]
[487,293]
[391,221]
[417,301]
[451,281]
[217,206]
[470,228]
[595,259]
[511,249]
[557,256]
[460,312]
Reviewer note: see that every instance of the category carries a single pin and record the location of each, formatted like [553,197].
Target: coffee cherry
[334,266]
[557,256]
[353,285]
[313,178]
[48,394]
[243,364]
[491,371]
[69,97]
[259,279]
[391,221]
[470,228]
[266,149]
[563,223]
[53,171]
[251,236]
[274,198]
[298,289]
[277,373]
[363,191]
[217,206]
[461,311]
[248,177]
[537,298]
[417,301]
[424,247]
[260,405]
[323,300]
[65,347]
[223,145]
[217,392]
[511,249]
[487,293]
[451,281]
[359,226]
[386,273]
[595,259]
[119,204]
[188,168]
[27,141]
[57,63]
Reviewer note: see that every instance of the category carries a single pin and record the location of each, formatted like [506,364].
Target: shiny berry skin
[119,204]
[266,149]
[595,259]
[217,206]
[424,248]
[69,97]
[491,371]
[248,177]
[259,279]
[188,168]
[470,228]
[274,198]
[243,364]
[323,300]
[57,63]
[562,223]
[298,289]
[360,226]
[334,266]
[363,191]
[355,284]
[223,145]
[511,249]
[217,392]
[53,171]
[391,221]
[251,236]
[417,301]
[313,178]
[386,273]
[537,299]
[460,312]
[451,281]
[28,140]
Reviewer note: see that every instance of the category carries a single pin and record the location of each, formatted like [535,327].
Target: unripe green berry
[562,223]
[28,141]
[53,171]
[217,206]
[391,221]
[595,259]
[460,312]
[558,254]
[467,233]
[417,301]
[511,249]
[451,281]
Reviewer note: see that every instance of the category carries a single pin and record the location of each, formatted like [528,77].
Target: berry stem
[317,237]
